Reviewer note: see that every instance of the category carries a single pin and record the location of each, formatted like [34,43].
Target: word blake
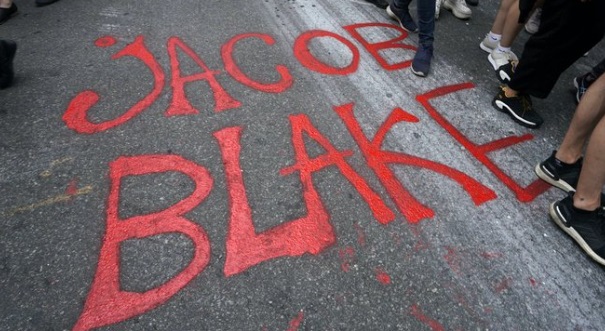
[107,303]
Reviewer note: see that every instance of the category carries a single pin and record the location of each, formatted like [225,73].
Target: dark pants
[426,19]
[568,29]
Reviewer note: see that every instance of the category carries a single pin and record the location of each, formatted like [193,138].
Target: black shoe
[42,3]
[559,174]
[581,84]
[402,15]
[519,108]
[379,3]
[8,48]
[587,228]
[421,64]
[472,2]
[6,13]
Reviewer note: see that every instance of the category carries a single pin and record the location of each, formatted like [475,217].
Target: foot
[559,174]
[402,15]
[458,8]
[587,228]
[421,64]
[533,23]
[488,44]
[504,64]
[6,13]
[8,48]
[581,84]
[41,3]
[438,4]
[518,107]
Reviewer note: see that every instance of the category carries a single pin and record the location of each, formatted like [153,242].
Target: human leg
[399,11]
[491,40]
[581,215]
[562,168]
[426,28]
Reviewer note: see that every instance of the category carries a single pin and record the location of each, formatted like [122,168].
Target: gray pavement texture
[494,263]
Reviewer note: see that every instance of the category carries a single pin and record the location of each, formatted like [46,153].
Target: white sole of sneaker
[501,106]
[542,173]
[393,16]
[485,47]
[456,12]
[492,61]
[556,216]
[503,76]
[417,73]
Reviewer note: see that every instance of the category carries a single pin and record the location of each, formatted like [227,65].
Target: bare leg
[588,114]
[498,25]
[511,26]
[592,177]
[6,3]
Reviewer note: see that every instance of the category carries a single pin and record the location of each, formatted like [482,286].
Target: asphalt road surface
[274,165]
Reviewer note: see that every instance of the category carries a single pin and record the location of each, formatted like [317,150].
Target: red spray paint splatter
[106,41]
[361,236]
[296,321]
[419,315]
[346,255]
[382,276]
[452,259]
[491,255]
[72,187]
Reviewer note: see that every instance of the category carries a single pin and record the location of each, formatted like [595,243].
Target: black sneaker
[559,174]
[402,15]
[505,72]
[581,84]
[421,64]
[519,108]
[8,48]
[587,228]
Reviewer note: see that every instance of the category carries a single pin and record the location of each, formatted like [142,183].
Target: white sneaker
[533,24]
[458,8]
[488,44]
[437,8]
[498,59]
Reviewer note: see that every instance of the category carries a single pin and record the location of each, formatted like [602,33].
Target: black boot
[8,48]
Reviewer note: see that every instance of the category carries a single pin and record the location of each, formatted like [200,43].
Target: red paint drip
[361,236]
[346,256]
[452,259]
[105,41]
[296,321]
[419,315]
[382,276]
[533,282]
[72,187]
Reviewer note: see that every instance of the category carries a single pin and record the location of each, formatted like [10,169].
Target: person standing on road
[568,29]
[581,214]
[398,10]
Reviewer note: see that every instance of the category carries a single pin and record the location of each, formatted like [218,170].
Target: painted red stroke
[245,247]
[375,48]
[307,59]
[480,152]
[420,316]
[296,321]
[107,303]
[302,124]
[180,105]
[379,160]
[75,117]
[232,68]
